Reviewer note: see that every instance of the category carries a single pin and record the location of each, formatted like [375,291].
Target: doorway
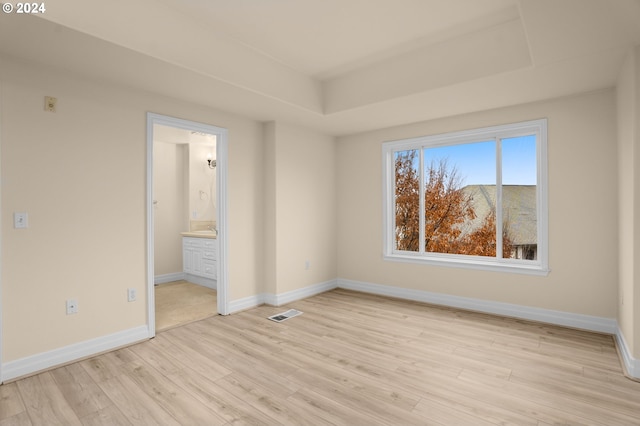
[218,202]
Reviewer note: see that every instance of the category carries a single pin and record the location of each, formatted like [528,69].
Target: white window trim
[537,267]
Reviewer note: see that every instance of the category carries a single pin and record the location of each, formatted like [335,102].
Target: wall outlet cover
[72,306]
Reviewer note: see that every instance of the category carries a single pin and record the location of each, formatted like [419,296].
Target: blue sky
[476,162]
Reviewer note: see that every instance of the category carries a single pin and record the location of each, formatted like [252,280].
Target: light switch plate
[20,220]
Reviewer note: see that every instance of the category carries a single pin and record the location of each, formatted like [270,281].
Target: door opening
[216,207]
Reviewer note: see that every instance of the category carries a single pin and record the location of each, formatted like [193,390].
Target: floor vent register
[285,315]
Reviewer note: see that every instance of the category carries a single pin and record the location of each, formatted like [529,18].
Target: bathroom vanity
[199,258]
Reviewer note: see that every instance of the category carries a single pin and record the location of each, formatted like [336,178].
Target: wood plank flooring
[350,359]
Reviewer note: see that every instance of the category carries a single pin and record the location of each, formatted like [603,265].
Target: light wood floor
[182,302]
[350,359]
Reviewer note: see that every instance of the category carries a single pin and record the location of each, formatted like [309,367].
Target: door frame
[221,210]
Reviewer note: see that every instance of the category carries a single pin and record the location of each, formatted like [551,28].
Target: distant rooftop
[519,209]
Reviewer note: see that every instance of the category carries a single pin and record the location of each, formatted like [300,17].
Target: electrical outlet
[132,294]
[72,306]
[307,264]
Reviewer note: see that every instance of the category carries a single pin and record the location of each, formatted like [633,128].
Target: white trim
[151,294]
[33,364]
[566,319]
[203,281]
[282,298]
[473,262]
[222,282]
[584,322]
[167,278]
[497,263]
[42,361]
[246,303]
[300,293]
[222,221]
[630,364]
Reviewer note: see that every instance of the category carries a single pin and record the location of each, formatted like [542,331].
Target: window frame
[540,266]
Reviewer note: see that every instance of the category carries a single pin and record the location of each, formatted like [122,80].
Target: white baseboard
[205,282]
[167,278]
[282,298]
[246,303]
[42,361]
[585,322]
[631,364]
[301,293]
[178,276]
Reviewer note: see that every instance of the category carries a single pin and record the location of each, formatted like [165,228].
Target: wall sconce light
[212,163]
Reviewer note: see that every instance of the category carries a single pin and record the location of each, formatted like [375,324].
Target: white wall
[80,174]
[202,183]
[628,107]
[170,213]
[301,210]
[582,211]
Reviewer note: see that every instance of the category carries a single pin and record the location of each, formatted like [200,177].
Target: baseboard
[205,282]
[566,319]
[246,303]
[630,364]
[281,298]
[584,322]
[42,361]
[301,293]
[32,364]
[167,278]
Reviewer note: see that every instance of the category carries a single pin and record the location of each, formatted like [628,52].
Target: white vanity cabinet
[199,260]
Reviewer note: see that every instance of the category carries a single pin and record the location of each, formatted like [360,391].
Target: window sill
[474,262]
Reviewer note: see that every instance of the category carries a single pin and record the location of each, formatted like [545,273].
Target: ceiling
[326,38]
[337,66]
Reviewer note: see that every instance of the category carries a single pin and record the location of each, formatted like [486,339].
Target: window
[474,199]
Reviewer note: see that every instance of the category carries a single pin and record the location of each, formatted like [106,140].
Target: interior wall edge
[630,364]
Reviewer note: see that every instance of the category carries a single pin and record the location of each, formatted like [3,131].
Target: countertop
[200,234]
